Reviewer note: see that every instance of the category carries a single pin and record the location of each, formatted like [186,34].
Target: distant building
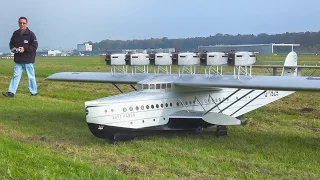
[54,53]
[258,48]
[84,47]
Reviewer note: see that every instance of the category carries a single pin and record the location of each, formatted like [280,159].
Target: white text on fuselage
[121,116]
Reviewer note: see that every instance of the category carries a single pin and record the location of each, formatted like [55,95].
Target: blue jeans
[18,69]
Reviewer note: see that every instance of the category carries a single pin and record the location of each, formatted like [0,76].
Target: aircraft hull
[174,124]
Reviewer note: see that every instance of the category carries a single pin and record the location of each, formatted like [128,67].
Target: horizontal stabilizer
[220,119]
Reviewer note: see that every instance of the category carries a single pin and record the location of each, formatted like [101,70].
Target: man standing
[23,44]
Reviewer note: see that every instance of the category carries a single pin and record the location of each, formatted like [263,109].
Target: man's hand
[21,49]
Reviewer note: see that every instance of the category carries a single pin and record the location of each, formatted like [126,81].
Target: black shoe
[34,94]
[8,94]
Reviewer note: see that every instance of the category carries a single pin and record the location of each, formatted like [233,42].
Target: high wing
[102,77]
[285,83]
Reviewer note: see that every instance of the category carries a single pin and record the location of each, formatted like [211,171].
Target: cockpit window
[145,86]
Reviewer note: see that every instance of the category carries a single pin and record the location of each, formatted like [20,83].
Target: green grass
[46,137]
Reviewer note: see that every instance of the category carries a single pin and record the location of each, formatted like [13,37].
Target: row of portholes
[167,105]
[143,121]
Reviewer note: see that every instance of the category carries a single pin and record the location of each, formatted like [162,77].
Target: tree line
[309,41]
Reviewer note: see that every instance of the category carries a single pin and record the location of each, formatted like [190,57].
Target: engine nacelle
[213,59]
[116,59]
[186,59]
[163,59]
[138,59]
[241,58]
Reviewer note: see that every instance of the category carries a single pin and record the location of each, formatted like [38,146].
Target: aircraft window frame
[142,107]
[124,109]
[145,86]
[152,106]
[137,108]
[131,108]
[147,106]
[170,104]
[167,105]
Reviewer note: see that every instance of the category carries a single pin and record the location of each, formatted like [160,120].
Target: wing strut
[117,87]
[133,87]
[237,100]
[200,103]
[222,101]
[248,103]
[183,105]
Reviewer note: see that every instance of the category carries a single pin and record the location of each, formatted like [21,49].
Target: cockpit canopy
[154,86]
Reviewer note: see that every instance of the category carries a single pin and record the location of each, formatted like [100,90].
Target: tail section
[291,60]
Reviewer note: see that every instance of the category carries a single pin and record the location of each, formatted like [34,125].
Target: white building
[54,53]
[84,47]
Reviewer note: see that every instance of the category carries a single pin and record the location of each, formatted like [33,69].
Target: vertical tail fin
[291,60]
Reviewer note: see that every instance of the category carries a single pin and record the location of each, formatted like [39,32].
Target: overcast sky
[65,23]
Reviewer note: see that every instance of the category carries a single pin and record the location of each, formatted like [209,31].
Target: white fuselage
[147,108]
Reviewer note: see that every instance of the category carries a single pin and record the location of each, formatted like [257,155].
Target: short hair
[22,17]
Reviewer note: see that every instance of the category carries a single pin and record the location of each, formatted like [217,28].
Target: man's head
[23,23]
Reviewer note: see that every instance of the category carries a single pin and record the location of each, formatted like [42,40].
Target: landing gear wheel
[221,131]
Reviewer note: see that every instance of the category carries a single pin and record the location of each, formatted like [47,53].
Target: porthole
[147,106]
[154,120]
[166,104]
[142,121]
[131,108]
[124,109]
[137,108]
[170,104]
[142,107]
[190,102]
[105,111]
[194,101]
[161,105]
[177,103]
[111,110]
[152,106]
[157,105]
[186,103]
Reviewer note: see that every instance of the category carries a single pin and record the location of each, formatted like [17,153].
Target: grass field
[46,137]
